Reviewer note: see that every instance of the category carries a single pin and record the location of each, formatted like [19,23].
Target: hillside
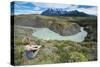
[58,25]
[54,51]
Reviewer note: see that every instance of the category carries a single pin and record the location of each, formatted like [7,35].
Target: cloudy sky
[36,8]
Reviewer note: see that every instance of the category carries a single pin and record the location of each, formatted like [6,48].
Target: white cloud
[72,7]
[37,9]
[92,11]
[53,5]
[17,12]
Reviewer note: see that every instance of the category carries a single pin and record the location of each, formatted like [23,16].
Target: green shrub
[18,41]
[19,55]
[77,57]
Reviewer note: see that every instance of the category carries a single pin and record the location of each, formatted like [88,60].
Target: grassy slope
[59,51]
[55,24]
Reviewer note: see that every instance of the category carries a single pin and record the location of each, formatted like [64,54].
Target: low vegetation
[58,52]
[53,51]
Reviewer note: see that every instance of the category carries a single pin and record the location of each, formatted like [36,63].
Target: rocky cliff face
[61,27]
[65,29]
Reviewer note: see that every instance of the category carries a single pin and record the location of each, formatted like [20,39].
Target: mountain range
[62,12]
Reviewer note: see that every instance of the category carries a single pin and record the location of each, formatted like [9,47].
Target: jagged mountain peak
[62,12]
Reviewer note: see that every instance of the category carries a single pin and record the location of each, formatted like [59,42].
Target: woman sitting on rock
[31,49]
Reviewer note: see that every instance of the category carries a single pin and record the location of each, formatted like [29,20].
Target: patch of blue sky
[86,6]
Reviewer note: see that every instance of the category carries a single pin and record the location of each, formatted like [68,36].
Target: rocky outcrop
[65,29]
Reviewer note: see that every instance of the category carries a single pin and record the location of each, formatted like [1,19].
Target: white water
[47,34]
